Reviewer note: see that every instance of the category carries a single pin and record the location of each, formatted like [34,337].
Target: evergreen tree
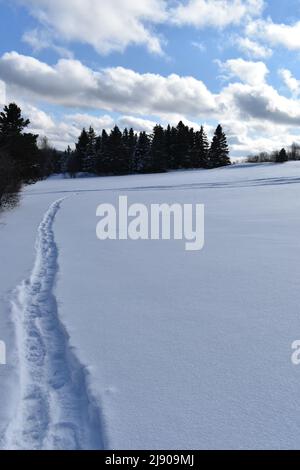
[281,157]
[89,159]
[171,148]
[141,162]
[19,146]
[11,122]
[82,150]
[65,157]
[158,150]
[182,148]
[128,143]
[131,146]
[200,150]
[117,152]
[219,152]
[168,146]
[98,144]
[73,164]
[103,164]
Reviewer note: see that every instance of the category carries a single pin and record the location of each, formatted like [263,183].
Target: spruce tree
[11,122]
[172,163]
[131,146]
[103,164]
[82,149]
[158,150]
[89,162]
[65,157]
[141,162]
[20,147]
[200,149]
[182,148]
[129,142]
[281,157]
[117,152]
[219,152]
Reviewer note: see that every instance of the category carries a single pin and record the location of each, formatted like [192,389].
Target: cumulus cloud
[138,124]
[64,131]
[80,120]
[276,34]
[253,73]
[252,111]
[41,39]
[259,103]
[216,13]
[2,93]
[253,48]
[290,81]
[110,26]
[72,84]
[106,25]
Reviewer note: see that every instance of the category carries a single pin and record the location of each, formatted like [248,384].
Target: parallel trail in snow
[55,409]
[260,182]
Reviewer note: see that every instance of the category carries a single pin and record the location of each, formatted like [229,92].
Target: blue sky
[74,63]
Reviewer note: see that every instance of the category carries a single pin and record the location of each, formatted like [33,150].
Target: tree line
[18,152]
[127,152]
[277,156]
[25,159]
[22,160]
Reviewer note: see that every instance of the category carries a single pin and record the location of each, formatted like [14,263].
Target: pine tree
[82,149]
[19,146]
[141,162]
[168,146]
[219,152]
[281,157]
[158,150]
[200,150]
[132,142]
[117,152]
[182,148]
[65,157]
[172,163]
[129,142]
[11,122]
[103,164]
[89,155]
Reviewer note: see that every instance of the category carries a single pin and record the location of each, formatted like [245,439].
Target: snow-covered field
[141,344]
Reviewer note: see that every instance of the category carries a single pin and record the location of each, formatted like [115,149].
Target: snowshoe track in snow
[55,409]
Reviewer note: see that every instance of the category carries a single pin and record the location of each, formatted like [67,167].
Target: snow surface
[141,344]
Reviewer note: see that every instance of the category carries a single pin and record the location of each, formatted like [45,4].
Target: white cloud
[258,103]
[253,48]
[138,124]
[276,34]
[216,13]
[253,113]
[80,120]
[106,25]
[291,82]
[70,83]
[65,131]
[113,25]
[2,93]
[40,39]
[253,73]
[199,45]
